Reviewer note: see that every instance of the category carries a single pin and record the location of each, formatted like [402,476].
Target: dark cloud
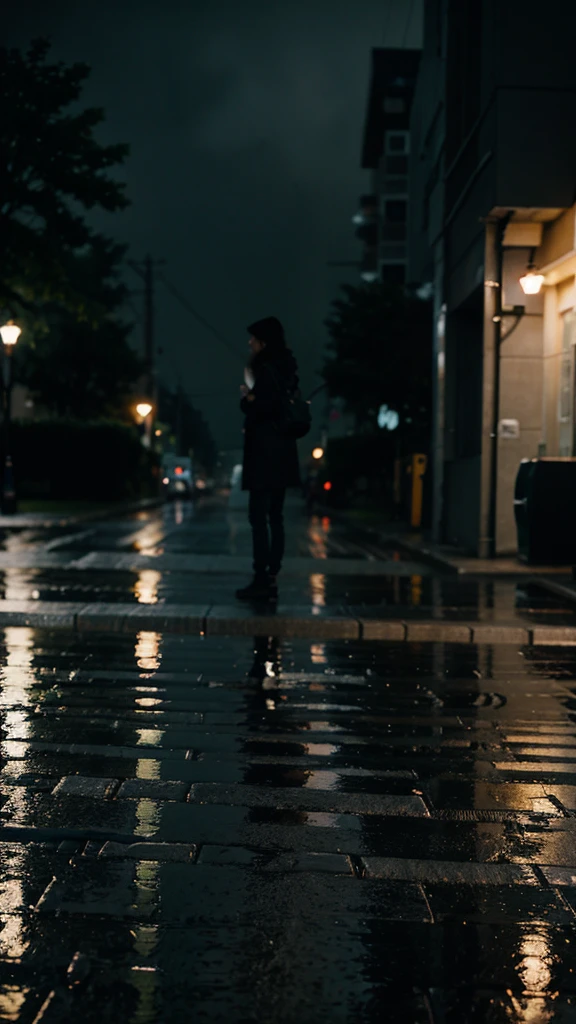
[245,121]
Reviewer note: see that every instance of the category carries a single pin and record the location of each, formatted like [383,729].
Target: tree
[52,171]
[380,353]
[79,367]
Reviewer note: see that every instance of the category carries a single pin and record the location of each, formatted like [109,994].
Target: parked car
[177,476]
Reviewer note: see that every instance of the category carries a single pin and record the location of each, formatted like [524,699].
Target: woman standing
[270,459]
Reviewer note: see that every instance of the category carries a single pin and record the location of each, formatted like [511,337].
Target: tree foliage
[59,277]
[53,170]
[380,353]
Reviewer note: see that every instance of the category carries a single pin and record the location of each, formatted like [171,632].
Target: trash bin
[545,510]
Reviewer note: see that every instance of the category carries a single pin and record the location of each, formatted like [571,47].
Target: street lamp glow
[317,453]
[143,409]
[531,283]
[10,333]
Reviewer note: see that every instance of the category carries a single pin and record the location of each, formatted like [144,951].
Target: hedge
[72,459]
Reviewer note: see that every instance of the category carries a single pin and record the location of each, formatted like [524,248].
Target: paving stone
[153,789]
[87,890]
[494,633]
[537,767]
[293,798]
[229,855]
[79,785]
[42,614]
[173,852]
[382,629]
[554,635]
[453,872]
[559,875]
[102,617]
[332,863]
[291,622]
[438,631]
[186,618]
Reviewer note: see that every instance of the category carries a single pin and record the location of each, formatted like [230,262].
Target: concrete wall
[558,238]
[462,503]
[521,373]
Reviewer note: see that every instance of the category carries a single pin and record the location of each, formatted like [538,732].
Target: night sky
[245,122]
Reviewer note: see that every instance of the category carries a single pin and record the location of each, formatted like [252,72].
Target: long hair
[271,333]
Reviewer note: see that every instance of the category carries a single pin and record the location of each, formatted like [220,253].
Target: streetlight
[318,453]
[143,411]
[9,332]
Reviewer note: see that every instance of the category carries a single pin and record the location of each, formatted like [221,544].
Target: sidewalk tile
[232,620]
[438,630]
[497,633]
[452,872]
[172,852]
[79,785]
[152,789]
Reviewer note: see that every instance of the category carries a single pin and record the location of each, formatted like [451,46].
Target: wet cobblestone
[284,829]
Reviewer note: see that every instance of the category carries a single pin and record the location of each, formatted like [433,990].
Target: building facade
[382,218]
[492,192]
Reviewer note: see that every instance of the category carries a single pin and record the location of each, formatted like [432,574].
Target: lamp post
[9,332]
[143,411]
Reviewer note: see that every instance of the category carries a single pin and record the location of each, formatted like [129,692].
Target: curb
[16,522]
[298,623]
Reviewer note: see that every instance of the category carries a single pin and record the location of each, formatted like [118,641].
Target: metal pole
[497,320]
[8,485]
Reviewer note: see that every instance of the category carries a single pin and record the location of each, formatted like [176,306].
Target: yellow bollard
[418,469]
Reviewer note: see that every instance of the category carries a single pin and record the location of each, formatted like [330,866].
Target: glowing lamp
[532,282]
[178,470]
[327,486]
[143,409]
[10,333]
[317,453]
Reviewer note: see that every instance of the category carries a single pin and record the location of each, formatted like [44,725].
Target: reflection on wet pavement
[226,830]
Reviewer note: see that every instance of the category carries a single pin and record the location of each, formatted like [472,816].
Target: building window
[393,273]
[396,165]
[394,105]
[397,142]
[395,211]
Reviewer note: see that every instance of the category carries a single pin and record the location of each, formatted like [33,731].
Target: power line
[197,316]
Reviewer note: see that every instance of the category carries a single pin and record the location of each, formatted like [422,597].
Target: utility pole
[145,270]
[148,275]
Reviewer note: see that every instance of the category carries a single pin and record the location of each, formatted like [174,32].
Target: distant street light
[143,411]
[10,332]
[317,453]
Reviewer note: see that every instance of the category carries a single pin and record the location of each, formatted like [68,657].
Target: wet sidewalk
[282,829]
[176,569]
[233,831]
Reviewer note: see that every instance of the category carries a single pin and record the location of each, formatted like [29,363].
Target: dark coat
[270,461]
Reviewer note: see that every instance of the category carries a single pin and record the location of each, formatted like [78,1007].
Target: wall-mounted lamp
[532,282]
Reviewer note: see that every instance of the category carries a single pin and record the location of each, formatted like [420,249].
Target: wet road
[261,830]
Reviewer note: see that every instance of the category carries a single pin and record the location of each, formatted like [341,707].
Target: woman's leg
[258,515]
[276,514]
